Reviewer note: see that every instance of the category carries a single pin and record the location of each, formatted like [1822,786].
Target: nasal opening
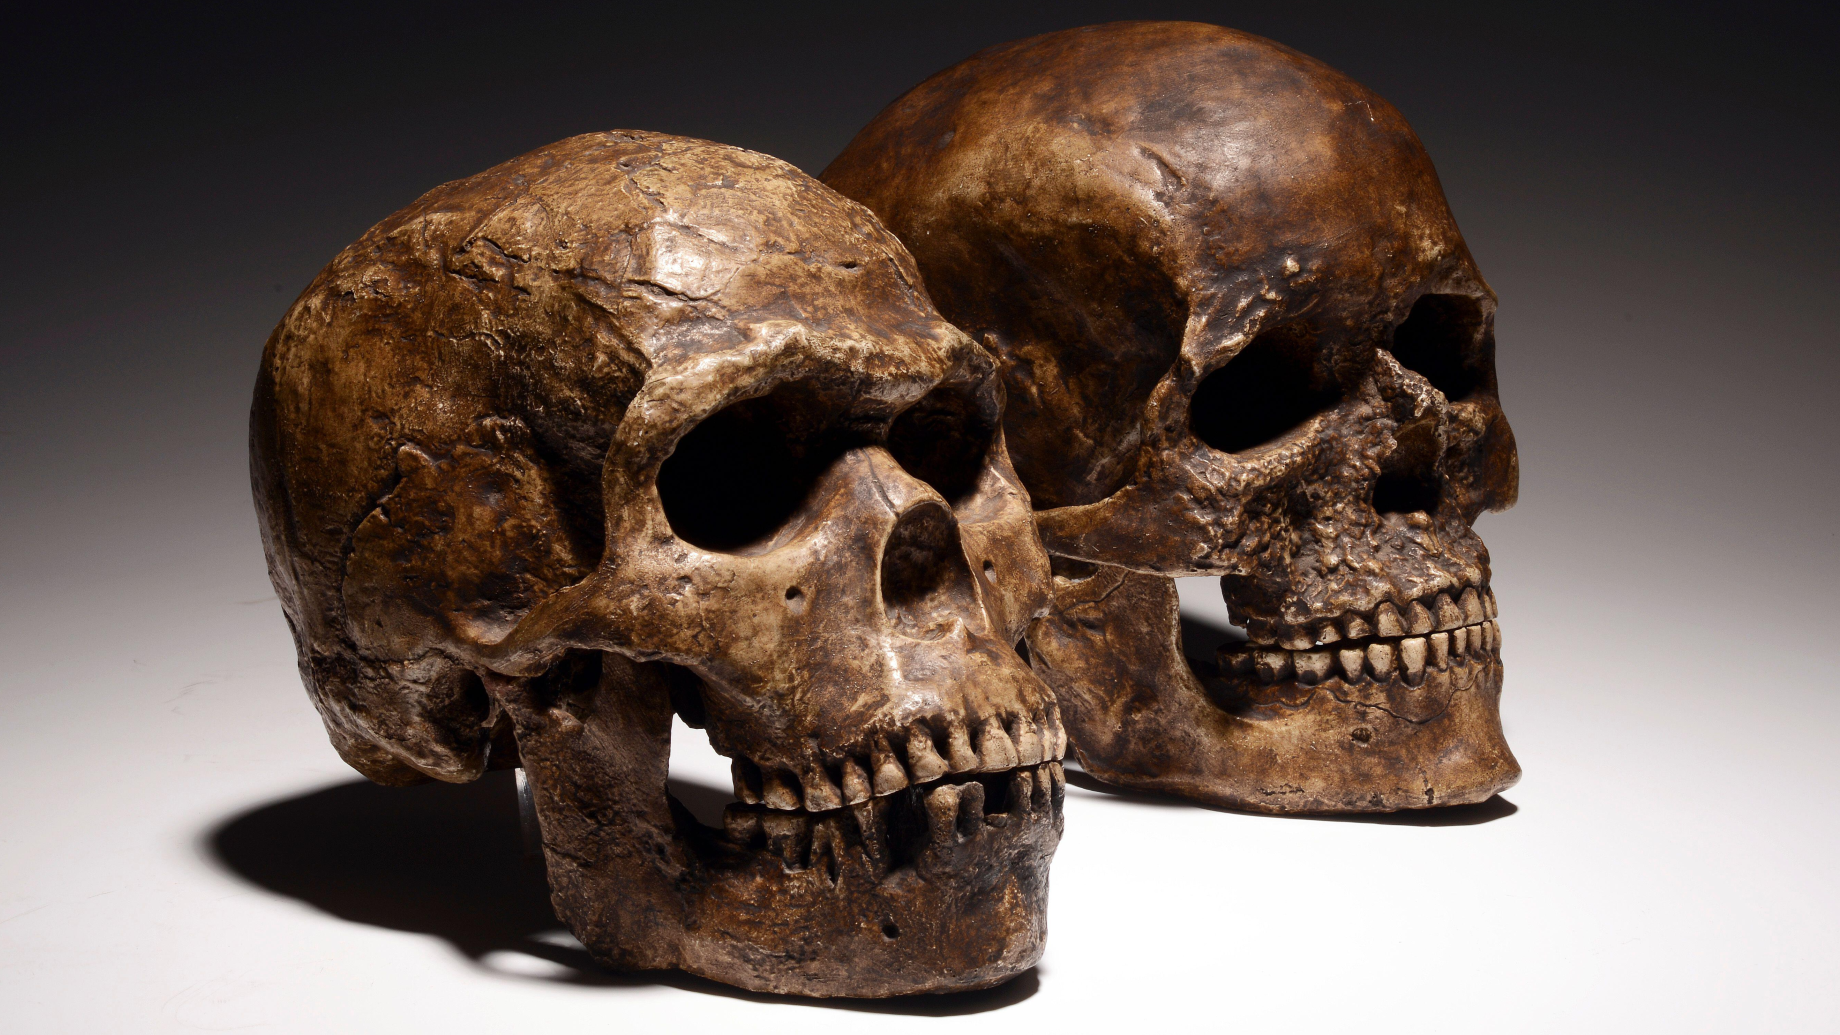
[1409,481]
[926,583]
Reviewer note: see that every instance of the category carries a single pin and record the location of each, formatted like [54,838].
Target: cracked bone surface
[1241,336]
[635,424]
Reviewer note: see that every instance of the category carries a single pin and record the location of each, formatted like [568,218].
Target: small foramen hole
[990,571]
[1442,340]
[891,930]
[1275,384]
[795,599]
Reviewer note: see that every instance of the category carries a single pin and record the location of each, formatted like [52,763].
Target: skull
[635,424]
[1242,337]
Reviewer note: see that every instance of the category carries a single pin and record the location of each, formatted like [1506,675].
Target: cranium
[635,423]
[1242,337]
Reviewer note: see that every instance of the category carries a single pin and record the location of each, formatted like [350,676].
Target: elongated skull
[632,424]
[1241,337]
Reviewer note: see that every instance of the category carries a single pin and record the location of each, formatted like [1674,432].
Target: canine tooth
[1296,639]
[820,793]
[1057,777]
[923,760]
[855,782]
[788,836]
[889,775]
[1471,605]
[1459,640]
[1021,792]
[1059,747]
[779,790]
[1440,649]
[1418,620]
[747,780]
[942,813]
[996,752]
[1312,666]
[1327,633]
[1380,658]
[1352,658]
[1387,623]
[970,807]
[740,824]
[1028,742]
[1412,659]
[1357,627]
[1488,603]
[959,754]
[1273,665]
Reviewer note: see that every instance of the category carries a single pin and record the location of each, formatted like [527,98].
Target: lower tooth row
[954,812]
[1408,658]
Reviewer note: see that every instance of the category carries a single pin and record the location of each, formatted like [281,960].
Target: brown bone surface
[1241,336]
[635,424]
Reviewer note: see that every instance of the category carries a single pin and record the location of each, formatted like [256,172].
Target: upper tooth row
[857,779]
[1409,658]
[1439,614]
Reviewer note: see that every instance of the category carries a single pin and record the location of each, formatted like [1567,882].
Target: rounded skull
[1242,337]
[635,424]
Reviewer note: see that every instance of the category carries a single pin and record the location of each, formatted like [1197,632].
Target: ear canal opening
[1441,340]
[1269,389]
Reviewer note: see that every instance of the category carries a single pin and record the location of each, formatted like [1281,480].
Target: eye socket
[942,440]
[1273,385]
[1439,340]
[739,476]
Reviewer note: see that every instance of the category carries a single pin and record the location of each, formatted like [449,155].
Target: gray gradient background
[1652,197]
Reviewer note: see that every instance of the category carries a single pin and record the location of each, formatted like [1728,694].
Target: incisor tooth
[1491,640]
[1055,732]
[942,813]
[1021,792]
[1412,659]
[1312,666]
[1057,777]
[1044,792]
[959,754]
[1380,659]
[1028,742]
[1440,649]
[1471,604]
[996,752]
[1327,633]
[747,780]
[1387,623]
[1273,665]
[1357,627]
[923,761]
[1352,658]
[889,776]
[1418,620]
[1448,615]
[856,786]
[778,790]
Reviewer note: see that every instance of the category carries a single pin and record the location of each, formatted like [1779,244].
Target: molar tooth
[1259,631]
[1418,620]
[1296,639]
[747,780]
[1352,658]
[1387,623]
[1488,603]
[820,793]
[1028,742]
[923,760]
[1312,666]
[958,747]
[1381,658]
[1440,649]
[1235,658]
[942,813]
[1273,665]
[1449,616]
[1471,605]
[740,824]
[1459,641]
[1412,659]
[996,752]
[779,790]
[889,776]
[855,782]
[1357,627]
[1327,633]
[788,836]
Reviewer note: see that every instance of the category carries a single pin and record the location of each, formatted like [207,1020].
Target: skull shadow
[447,860]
